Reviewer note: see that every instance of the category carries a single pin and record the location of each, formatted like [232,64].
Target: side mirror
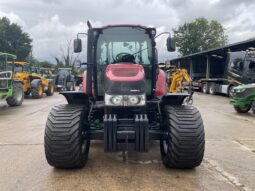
[77,45]
[170,43]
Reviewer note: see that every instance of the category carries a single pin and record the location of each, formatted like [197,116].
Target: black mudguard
[174,98]
[76,97]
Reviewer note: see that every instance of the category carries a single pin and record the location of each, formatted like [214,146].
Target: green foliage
[13,40]
[60,64]
[41,64]
[199,35]
[67,60]
[46,64]
[33,61]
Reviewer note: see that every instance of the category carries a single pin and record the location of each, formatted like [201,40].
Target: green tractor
[11,90]
[244,98]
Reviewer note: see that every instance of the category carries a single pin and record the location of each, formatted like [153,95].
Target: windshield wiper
[140,51]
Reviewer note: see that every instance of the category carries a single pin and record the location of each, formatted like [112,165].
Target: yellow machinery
[33,82]
[178,77]
[46,72]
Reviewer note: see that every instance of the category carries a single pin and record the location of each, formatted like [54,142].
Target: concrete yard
[229,162]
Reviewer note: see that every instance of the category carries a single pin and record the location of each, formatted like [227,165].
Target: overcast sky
[51,23]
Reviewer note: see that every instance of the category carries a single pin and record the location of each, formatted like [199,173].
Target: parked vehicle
[10,89]
[220,74]
[33,82]
[244,98]
[124,103]
[65,80]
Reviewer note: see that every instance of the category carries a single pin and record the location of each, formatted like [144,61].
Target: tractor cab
[10,88]
[121,48]
[65,79]
[241,67]
[6,71]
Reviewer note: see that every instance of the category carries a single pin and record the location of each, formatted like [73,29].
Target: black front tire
[184,145]
[205,88]
[241,110]
[212,88]
[64,142]
[50,90]
[253,107]
[17,96]
[37,89]
[68,86]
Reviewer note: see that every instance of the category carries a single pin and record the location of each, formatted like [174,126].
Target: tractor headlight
[117,100]
[136,100]
[133,100]
[124,100]
[239,90]
[114,100]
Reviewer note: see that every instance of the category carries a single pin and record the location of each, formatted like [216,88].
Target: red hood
[124,72]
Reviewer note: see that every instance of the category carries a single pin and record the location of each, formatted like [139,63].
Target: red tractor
[124,103]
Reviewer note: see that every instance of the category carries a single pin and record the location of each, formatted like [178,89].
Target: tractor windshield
[124,44]
[18,68]
[5,64]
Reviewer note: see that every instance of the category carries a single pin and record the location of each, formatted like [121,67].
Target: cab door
[236,69]
[249,72]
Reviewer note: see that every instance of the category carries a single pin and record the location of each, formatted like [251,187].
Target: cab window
[18,68]
[237,65]
[252,66]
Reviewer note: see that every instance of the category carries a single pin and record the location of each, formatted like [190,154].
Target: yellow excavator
[178,78]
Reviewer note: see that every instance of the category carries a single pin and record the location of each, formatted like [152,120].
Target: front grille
[4,84]
[244,94]
[112,87]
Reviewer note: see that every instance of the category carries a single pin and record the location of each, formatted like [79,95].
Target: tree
[46,64]
[13,40]
[59,63]
[199,35]
[67,60]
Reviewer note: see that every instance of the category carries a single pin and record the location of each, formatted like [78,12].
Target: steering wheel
[125,57]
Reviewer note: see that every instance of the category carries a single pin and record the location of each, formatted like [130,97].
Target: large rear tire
[64,142]
[37,89]
[50,90]
[184,145]
[212,88]
[17,96]
[205,88]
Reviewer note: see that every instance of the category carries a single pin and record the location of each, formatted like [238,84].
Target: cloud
[51,37]
[13,18]
[53,22]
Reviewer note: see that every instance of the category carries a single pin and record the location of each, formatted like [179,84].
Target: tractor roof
[8,55]
[124,25]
